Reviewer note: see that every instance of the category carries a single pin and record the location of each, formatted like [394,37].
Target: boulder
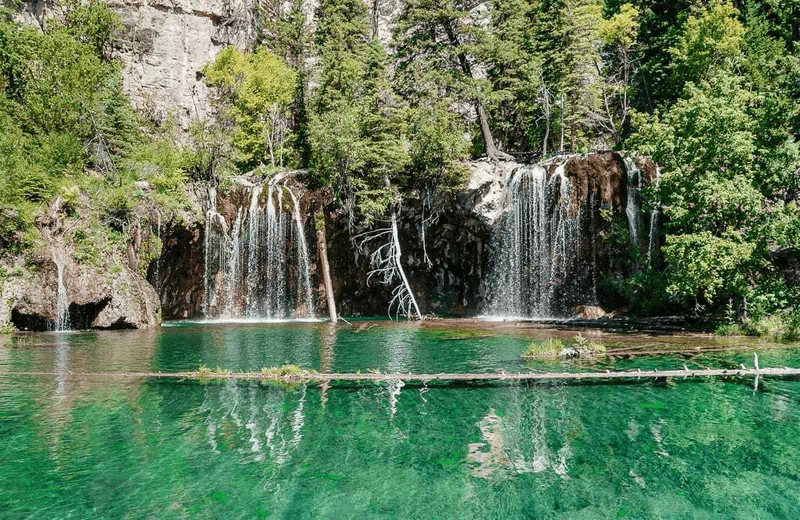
[590,312]
[98,298]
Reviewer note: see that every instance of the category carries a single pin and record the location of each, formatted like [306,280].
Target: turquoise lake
[91,447]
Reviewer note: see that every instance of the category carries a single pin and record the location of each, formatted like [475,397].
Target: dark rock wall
[459,243]
[449,285]
[178,275]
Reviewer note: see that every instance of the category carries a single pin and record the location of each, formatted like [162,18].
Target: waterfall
[633,204]
[253,247]
[652,246]
[302,252]
[157,277]
[214,250]
[539,261]
[62,299]
[259,266]
[547,251]
[233,267]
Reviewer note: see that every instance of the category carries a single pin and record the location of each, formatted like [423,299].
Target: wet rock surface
[447,271]
[98,299]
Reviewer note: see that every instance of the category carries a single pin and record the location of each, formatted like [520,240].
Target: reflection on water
[91,447]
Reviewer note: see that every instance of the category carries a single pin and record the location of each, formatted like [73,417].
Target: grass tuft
[287,371]
[579,346]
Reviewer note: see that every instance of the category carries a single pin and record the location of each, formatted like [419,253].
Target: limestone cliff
[164,46]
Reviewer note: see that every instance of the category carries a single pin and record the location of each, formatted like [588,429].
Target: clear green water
[98,448]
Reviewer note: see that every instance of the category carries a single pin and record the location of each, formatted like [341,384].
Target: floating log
[498,376]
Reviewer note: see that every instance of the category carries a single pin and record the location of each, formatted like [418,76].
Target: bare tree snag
[387,262]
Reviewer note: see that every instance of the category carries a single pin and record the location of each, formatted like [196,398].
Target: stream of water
[138,448]
[257,267]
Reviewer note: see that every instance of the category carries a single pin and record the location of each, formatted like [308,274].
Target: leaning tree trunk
[322,247]
[491,149]
[483,119]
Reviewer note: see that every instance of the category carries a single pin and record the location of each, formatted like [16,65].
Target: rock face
[98,299]
[56,293]
[164,46]
[166,43]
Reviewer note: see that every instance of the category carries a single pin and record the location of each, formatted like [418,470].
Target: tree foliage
[729,157]
[708,89]
[258,89]
[67,129]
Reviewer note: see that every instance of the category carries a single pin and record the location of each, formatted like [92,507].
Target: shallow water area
[141,447]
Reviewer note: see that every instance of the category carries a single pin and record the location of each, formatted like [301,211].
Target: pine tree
[437,46]
[356,133]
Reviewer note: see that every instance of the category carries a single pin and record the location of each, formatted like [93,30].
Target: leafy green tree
[93,23]
[711,40]
[260,88]
[712,187]
[619,34]
[285,32]
[68,130]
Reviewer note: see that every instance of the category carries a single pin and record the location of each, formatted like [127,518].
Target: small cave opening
[30,322]
[81,317]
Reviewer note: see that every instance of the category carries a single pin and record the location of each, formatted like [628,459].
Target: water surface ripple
[145,448]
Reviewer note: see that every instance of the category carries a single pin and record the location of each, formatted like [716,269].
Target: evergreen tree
[438,44]
[523,108]
[356,133]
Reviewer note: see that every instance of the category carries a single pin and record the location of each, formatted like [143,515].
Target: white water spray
[633,204]
[302,251]
[537,262]
[259,266]
[62,299]
[652,246]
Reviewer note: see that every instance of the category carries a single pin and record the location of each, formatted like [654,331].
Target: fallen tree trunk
[496,376]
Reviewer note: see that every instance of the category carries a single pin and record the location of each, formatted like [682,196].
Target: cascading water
[253,245]
[62,300]
[652,246]
[302,253]
[538,264]
[260,266]
[548,251]
[214,251]
[633,204]
[234,266]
